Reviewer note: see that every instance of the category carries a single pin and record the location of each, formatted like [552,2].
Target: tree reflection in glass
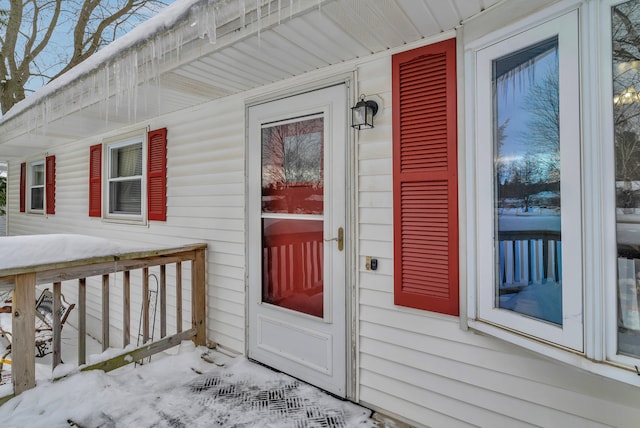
[292,209]
[527,182]
[625,25]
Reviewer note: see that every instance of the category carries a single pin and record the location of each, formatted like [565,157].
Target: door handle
[340,239]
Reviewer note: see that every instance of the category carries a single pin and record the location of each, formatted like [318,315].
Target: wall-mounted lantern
[362,113]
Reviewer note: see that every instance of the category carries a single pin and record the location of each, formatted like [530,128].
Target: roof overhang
[196,51]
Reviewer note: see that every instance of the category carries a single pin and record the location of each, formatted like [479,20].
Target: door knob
[340,239]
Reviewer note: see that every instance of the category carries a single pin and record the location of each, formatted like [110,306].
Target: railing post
[23,348]
[57,326]
[178,297]
[163,301]
[82,321]
[145,304]
[105,312]
[126,308]
[198,298]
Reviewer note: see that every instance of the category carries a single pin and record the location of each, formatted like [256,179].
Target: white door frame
[332,99]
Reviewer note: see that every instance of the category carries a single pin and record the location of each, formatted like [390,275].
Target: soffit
[246,54]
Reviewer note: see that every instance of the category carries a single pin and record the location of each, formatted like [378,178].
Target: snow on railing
[78,274]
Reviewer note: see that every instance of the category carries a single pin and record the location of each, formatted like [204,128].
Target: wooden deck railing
[24,281]
[528,257]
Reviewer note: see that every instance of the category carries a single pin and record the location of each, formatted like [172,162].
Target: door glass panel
[292,209]
[526,134]
[292,170]
[625,24]
[292,274]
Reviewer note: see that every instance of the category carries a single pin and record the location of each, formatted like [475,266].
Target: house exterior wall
[419,366]
[205,204]
[422,366]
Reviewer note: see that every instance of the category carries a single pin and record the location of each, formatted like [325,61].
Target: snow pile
[33,250]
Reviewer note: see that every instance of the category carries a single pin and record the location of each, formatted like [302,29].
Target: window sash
[570,334]
[36,186]
[125,180]
[615,219]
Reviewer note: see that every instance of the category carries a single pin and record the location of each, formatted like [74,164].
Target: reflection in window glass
[626,119]
[292,206]
[293,265]
[526,133]
[292,167]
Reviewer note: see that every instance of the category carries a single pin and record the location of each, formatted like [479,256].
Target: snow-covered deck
[27,261]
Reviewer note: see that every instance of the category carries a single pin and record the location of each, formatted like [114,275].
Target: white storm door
[296,223]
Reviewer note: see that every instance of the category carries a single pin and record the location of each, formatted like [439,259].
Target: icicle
[134,84]
[213,28]
[522,76]
[259,21]
[106,94]
[242,13]
[259,14]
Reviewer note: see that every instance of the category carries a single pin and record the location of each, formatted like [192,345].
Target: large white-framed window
[125,184]
[620,46]
[36,187]
[528,183]
[554,212]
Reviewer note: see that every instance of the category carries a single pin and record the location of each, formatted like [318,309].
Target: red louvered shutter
[157,174]
[23,187]
[425,178]
[50,183]
[95,181]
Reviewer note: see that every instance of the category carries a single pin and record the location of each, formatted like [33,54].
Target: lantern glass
[362,114]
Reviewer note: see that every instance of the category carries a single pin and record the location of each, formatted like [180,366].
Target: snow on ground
[87,395]
[175,389]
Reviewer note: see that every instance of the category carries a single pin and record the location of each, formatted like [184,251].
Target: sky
[59,47]
[513,105]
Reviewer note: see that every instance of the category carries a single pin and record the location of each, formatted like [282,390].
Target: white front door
[296,221]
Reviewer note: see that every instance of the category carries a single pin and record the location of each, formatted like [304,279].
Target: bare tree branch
[35,42]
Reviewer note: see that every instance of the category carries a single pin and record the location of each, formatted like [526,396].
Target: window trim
[570,334]
[599,251]
[107,147]
[610,334]
[48,163]
[154,177]
[30,186]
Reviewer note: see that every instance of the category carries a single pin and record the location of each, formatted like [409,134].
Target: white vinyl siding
[205,203]
[422,367]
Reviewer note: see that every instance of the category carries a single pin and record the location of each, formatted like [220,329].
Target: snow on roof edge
[167,18]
